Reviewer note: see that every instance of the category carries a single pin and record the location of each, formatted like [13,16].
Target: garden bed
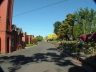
[87,59]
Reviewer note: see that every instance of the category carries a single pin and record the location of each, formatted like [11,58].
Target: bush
[39,38]
[52,37]
[28,45]
[34,41]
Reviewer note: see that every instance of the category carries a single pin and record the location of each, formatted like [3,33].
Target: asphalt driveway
[43,57]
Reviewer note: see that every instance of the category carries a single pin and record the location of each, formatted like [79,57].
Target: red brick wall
[19,46]
[4,13]
[32,37]
[9,14]
[8,34]
[2,36]
[24,38]
[28,39]
[15,40]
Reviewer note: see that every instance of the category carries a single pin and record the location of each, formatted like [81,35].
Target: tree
[77,31]
[64,30]
[85,22]
[56,26]
[52,36]
[70,19]
[34,41]
[86,19]
[39,38]
[25,32]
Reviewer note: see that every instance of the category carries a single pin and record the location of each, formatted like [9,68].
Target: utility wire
[41,8]
[35,29]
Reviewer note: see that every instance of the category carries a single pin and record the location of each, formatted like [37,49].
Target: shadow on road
[77,69]
[54,49]
[19,60]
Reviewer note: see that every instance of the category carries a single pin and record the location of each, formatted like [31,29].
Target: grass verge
[29,45]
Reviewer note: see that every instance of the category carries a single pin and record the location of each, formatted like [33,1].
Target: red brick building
[10,35]
[27,39]
[6,11]
[17,35]
[24,39]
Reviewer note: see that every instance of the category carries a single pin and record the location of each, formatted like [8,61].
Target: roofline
[28,34]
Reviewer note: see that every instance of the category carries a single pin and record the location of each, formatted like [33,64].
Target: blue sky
[40,22]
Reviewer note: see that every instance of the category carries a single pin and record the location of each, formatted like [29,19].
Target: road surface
[43,57]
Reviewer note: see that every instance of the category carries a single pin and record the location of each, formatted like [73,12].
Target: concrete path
[41,58]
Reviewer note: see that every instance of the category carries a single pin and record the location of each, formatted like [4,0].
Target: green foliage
[39,38]
[70,18]
[25,32]
[34,41]
[52,36]
[56,27]
[77,31]
[64,29]
[28,45]
[85,20]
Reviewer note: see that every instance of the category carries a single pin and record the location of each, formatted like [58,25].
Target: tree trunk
[71,32]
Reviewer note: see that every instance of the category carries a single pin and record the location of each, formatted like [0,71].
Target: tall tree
[70,18]
[86,22]
[64,29]
[25,32]
[56,26]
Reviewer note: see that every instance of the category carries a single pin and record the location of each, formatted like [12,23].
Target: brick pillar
[28,39]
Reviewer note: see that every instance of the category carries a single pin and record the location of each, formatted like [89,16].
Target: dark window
[19,40]
[12,40]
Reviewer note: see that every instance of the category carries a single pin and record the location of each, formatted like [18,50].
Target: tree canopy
[85,23]
[39,38]
[52,36]
[56,27]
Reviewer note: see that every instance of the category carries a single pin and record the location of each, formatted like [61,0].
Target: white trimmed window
[12,40]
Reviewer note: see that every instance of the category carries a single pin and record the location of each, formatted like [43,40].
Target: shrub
[83,37]
[52,37]
[28,45]
[39,38]
[34,41]
[93,36]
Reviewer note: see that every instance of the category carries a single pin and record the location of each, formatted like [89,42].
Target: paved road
[41,58]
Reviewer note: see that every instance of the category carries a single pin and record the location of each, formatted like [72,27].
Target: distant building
[29,38]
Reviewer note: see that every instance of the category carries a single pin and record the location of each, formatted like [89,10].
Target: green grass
[28,45]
